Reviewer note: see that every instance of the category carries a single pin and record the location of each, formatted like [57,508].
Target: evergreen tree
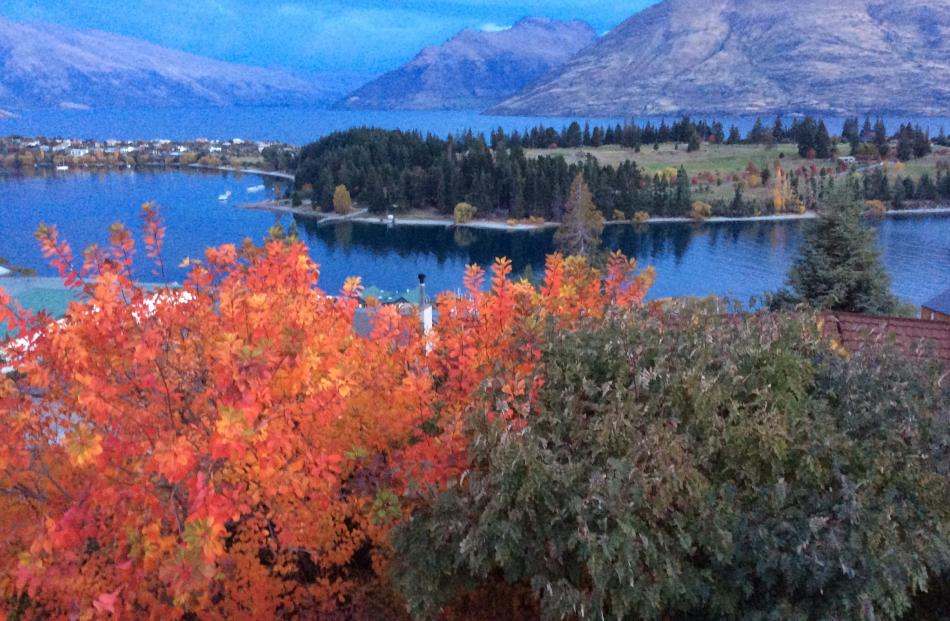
[572,136]
[583,224]
[922,146]
[880,138]
[806,134]
[905,143]
[822,142]
[694,141]
[758,135]
[718,133]
[840,268]
[684,198]
[597,137]
[852,133]
[375,195]
[867,132]
[734,136]
[926,189]
[778,130]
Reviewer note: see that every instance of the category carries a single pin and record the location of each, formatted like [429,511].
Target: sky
[357,37]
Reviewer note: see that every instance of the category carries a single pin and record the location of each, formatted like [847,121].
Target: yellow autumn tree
[342,203]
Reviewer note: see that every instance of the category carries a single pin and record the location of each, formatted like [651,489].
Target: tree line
[398,170]
[388,171]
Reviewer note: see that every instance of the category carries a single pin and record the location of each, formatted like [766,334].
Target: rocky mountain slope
[475,69]
[47,66]
[756,57]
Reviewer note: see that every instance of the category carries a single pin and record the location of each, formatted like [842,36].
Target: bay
[736,259]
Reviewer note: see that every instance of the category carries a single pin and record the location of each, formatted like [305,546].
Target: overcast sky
[351,36]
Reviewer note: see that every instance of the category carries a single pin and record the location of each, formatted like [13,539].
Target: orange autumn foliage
[233,448]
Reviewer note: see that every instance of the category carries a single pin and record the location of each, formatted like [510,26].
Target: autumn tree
[342,203]
[583,224]
[233,448]
[464,213]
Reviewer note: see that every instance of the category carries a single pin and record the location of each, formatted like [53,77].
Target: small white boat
[62,168]
[225,196]
[255,188]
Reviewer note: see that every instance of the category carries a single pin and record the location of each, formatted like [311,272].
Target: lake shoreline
[497,225]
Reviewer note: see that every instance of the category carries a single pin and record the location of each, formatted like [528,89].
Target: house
[852,331]
[937,309]
[408,302]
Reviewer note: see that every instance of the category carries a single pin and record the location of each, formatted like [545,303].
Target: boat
[62,168]
[255,188]
[225,196]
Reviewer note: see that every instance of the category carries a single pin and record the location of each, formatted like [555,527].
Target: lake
[300,125]
[734,259]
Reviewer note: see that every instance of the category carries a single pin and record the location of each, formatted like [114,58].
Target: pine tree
[684,198]
[822,142]
[840,268]
[734,136]
[694,141]
[852,133]
[778,130]
[880,138]
[583,224]
[758,135]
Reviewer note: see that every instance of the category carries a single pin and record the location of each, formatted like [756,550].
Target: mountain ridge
[51,66]
[474,68]
[756,57]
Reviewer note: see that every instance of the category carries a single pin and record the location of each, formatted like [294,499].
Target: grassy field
[728,160]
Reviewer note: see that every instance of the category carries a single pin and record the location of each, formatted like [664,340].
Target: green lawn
[727,160]
[723,159]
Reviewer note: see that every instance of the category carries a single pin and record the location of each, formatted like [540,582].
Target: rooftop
[940,304]
[853,331]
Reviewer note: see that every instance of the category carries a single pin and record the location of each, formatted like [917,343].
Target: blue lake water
[299,125]
[734,259]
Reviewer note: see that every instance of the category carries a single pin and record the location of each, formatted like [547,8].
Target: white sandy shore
[359,216]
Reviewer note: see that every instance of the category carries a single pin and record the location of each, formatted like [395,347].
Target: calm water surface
[735,259]
[300,125]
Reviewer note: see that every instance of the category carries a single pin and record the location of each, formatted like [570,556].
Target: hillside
[475,69]
[756,57]
[47,66]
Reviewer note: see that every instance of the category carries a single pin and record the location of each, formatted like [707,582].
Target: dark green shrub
[698,467]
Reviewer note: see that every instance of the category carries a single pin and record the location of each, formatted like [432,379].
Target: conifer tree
[694,141]
[778,130]
[880,138]
[822,141]
[684,198]
[839,267]
[734,136]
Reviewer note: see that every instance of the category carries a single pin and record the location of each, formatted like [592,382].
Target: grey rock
[475,69]
[757,57]
[47,66]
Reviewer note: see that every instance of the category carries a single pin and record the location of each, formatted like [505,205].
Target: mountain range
[729,57]
[49,66]
[475,69]
[756,57]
